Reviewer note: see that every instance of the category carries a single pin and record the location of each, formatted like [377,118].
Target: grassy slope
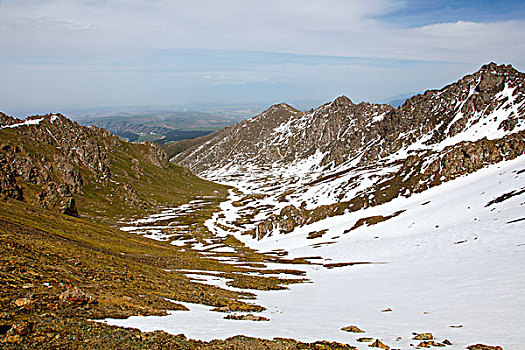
[156,187]
[44,253]
[174,148]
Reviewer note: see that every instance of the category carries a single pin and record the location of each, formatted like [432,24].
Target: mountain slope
[62,262]
[343,157]
[447,261]
[57,164]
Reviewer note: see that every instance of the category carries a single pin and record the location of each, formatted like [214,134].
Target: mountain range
[342,156]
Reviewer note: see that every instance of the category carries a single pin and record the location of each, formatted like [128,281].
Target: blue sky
[59,54]
[418,13]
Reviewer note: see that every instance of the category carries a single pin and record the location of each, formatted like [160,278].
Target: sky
[59,54]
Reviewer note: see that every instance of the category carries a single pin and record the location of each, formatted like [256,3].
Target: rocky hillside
[250,140]
[345,156]
[57,164]
[59,268]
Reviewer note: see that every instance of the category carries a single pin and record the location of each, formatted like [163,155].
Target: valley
[448,274]
[398,221]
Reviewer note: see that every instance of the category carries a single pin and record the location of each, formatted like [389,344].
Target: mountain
[54,163]
[306,166]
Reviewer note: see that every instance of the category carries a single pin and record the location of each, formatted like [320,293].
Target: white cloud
[94,48]
[330,27]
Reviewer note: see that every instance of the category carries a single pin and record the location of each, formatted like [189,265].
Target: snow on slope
[288,156]
[450,259]
[24,123]
[453,255]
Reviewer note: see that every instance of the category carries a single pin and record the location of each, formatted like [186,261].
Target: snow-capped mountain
[296,168]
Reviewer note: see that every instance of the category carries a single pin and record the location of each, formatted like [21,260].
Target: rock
[264,228]
[251,317]
[365,340]
[76,296]
[68,207]
[446,342]
[130,195]
[423,336]
[483,347]
[248,317]
[429,343]
[24,302]
[22,328]
[316,234]
[379,344]
[14,338]
[156,155]
[222,309]
[387,310]
[352,329]
[318,345]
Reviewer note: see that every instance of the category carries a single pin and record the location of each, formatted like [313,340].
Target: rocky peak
[280,106]
[342,101]
[495,68]
[7,120]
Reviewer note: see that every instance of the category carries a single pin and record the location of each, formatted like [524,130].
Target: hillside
[57,164]
[63,189]
[344,157]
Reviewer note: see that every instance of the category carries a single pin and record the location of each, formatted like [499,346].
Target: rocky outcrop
[483,347]
[423,336]
[289,218]
[352,329]
[75,295]
[379,344]
[156,155]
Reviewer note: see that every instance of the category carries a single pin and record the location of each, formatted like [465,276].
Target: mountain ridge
[55,163]
[345,156]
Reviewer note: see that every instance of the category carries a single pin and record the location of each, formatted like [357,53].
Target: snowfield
[452,263]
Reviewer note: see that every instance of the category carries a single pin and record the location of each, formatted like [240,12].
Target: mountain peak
[280,106]
[342,101]
[490,66]
[498,69]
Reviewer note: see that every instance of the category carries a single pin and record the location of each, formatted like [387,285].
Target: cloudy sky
[69,53]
